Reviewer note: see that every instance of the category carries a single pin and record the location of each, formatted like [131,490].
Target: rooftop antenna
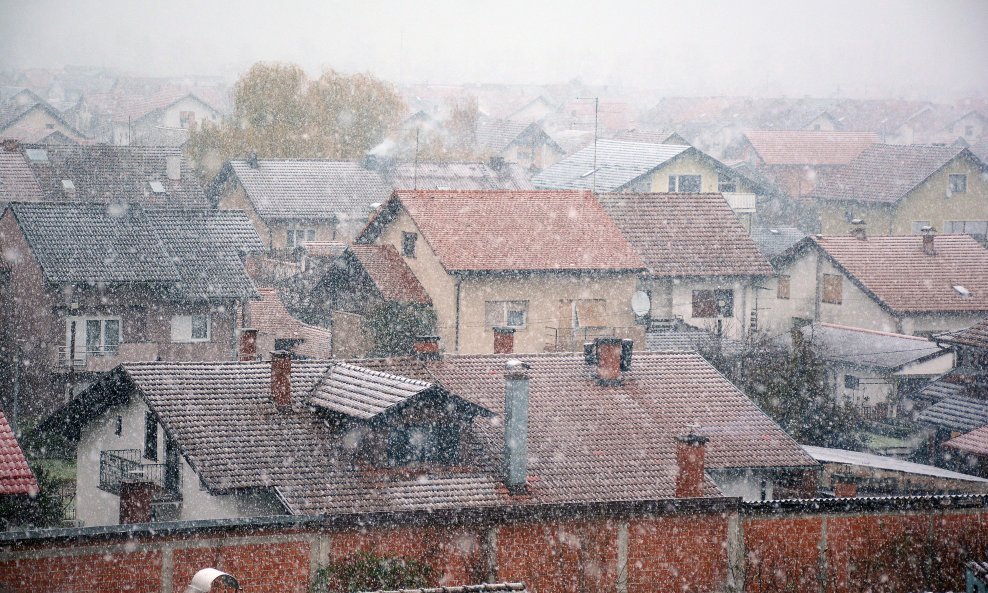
[596,108]
[415,167]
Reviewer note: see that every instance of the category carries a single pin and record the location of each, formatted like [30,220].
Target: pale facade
[274,233]
[678,298]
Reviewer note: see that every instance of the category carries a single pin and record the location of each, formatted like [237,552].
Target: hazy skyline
[908,48]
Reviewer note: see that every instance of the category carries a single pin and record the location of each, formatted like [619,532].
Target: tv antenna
[596,110]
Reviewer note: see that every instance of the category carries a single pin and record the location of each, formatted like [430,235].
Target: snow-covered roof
[826,455]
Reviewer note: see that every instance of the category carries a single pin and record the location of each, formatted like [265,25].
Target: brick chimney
[135,501]
[928,235]
[281,378]
[858,229]
[11,144]
[248,344]
[515,426]
[845,486]
[610,356]
[504,340]
[690,453]
[426,347]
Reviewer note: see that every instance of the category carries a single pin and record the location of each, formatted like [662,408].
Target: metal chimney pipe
[516,426]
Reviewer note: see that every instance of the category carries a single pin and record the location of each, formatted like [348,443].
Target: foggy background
[871,49]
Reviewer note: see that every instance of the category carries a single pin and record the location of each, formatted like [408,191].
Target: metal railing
[125,465]
[876,413]
[83,354]
[568,339]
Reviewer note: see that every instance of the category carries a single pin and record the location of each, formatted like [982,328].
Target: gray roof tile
[618,163]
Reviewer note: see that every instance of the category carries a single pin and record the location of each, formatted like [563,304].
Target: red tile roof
[975,442]
[686,234]
[517,230]
[15,475]
[885,173]
[269,316]
[809,147]
[390,273]
[897,272]
[17,182]
[975,336]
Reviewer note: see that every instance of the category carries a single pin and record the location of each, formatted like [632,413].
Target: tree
[279,113]
[368,571]
[393,326]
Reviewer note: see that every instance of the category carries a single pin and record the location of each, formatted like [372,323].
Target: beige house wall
[927,202]
[543,292]
[673,297]
[38,119]
[690,164]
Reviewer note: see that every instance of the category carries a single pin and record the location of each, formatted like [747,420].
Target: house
[156,177]
[421,433]
[651,137]
[277,329]
[875,370]
[550,266]
[638,167]
[28,118]
[898,190]
[88,286]
[496,174]
[701,265]
[524,144]
[164,117]
[293,201]
[914,285]
[16,477]
[793,159]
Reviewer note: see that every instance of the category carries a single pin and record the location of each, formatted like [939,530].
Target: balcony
[100,359]
[568,339]
[125,465]
[741,203]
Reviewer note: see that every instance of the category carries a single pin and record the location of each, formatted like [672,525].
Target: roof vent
[36,155]
[964,292]
[157,187]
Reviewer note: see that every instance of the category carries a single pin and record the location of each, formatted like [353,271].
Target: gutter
[456,339]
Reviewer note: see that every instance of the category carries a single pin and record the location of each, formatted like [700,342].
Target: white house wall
[673,297]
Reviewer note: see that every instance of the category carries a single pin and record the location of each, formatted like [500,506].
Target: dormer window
[424,443]
[157,187]
[958,184]
[68,186]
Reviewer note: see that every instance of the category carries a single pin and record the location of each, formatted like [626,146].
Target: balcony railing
[104,358]
[568,339]
[125,465]
[741,203]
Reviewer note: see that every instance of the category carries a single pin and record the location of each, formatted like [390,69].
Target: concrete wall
[37,119]
[928,202]
[906,545]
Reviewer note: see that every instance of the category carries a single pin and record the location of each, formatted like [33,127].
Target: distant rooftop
[825,455]
[809,147]
[618,163]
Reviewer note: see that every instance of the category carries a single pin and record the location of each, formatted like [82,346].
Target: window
[408,244]
[589,313]
[782,291]
[187,119]
[296,237]
[976,228]
[833,289]
[94,336]
[969,131]
[713,303]
[118,427]
[918,225]
[427,443]
[150,436]
[726,184]
[958,184]
[506,313]
[851,382]
[191,328]
[685,183]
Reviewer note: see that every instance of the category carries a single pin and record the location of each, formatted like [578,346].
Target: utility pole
[415,167]
[596,111]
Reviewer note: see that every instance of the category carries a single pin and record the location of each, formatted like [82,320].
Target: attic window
[157,187]
[68,186]
[962,291]
[36,155]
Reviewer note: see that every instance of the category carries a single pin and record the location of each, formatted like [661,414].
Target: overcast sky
[862,48]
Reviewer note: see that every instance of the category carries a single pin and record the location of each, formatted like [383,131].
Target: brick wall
[710,545]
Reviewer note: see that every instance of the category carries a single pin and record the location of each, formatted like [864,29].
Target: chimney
[11,144]
[611,356]
[845,486]
[252,160]
[690,452]
[173,167]
[504,340]
[426,347]
[281,378]
[135,501]
[248,344]
[516,426]
[858,229]
[497,163]
[928,234]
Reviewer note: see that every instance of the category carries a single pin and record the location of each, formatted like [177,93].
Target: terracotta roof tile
[884,172]
[519,230]
[809,147]
[975,336]
[686,234]
[15,475]
[458,176]
[975,442]
[269,316]
[900,275]
[390,273]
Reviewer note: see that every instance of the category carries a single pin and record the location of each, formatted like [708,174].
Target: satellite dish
[640,303]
